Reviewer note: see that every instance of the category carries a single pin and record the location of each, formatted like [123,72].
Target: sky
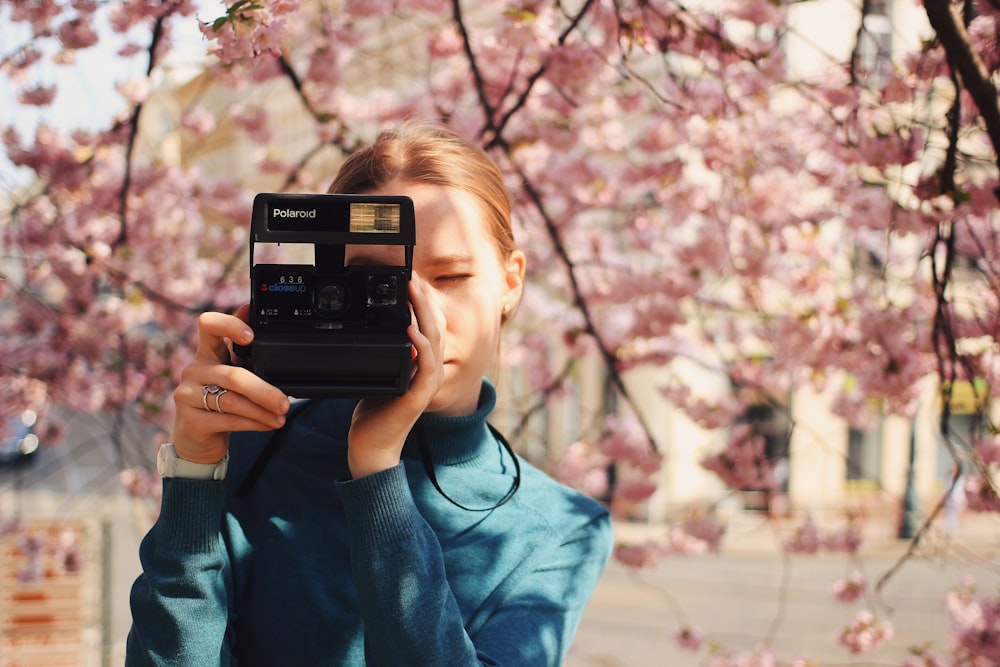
[86,95]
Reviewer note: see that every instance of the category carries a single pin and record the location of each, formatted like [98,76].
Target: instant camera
[326,329]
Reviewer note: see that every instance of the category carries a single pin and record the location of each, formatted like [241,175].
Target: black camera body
[327,329]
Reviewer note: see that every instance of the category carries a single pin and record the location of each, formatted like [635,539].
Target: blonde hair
[431,153]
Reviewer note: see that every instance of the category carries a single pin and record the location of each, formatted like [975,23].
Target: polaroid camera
[326,329]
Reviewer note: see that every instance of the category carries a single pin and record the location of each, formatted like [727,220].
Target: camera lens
[382,291]
[330,299]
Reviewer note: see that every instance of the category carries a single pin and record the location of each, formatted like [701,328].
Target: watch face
[163,458]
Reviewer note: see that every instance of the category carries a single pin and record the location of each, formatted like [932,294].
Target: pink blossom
[17,66]
[253,121]
[584,467]
[638,555]
[988,450]
[573,65]
[704,526]
[367,8]
[626,440]
[130,49]
[139,483]
[743,464]
[270,163]
[975,625]
[632,486]
[135,91]
[806,539]
[689,638]
[445,42]
[38,14]
[431,6]
[528,28]
[849,589]
[847,539]
[865,633]
[251,30]
[78,33]
[679,541]
[198,120]
[981,494]
[759,13]
[711,414]
[38,96]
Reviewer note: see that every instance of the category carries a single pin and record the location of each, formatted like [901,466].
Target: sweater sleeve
[179,602]
[410,614]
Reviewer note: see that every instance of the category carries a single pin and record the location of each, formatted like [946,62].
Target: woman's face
[456,260]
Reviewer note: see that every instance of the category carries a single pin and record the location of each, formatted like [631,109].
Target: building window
[771,424]
[872,59]
[965,425]
[864,454]
[962,432]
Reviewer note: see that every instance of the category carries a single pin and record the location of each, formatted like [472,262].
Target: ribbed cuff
[190,515]
[379,508]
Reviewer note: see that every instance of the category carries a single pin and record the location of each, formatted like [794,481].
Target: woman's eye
[453,278]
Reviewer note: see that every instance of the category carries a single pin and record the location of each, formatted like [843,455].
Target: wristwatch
[168,464]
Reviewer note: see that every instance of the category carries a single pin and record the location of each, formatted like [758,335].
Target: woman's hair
[425,152]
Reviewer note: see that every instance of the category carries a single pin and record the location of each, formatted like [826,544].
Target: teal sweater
[311,568]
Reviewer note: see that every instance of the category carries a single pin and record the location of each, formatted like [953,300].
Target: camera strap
[273,443]
[425,457]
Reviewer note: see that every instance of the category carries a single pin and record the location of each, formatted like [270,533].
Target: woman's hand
[380,425]
[248,403]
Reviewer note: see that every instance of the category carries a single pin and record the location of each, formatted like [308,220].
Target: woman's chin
[453,400]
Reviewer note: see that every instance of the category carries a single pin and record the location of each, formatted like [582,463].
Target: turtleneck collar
[455,440]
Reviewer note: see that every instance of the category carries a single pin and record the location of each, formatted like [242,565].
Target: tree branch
[608,356]
[133,131]
[966,63]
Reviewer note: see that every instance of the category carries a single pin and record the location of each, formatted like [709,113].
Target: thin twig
[133,131]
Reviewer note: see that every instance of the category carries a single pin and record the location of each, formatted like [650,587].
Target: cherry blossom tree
[683,192]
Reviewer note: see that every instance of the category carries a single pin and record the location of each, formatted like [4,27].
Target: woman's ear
[514,271]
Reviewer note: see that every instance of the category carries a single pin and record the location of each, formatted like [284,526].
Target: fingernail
[247,336]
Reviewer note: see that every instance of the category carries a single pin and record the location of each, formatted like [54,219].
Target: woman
[359,542]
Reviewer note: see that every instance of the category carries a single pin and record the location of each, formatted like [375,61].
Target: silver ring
[213,389]
[218,397]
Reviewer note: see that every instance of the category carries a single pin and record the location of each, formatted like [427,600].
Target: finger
[237,380]
[201,431]
[204,436]
[243,313]
[425,335]
[239,357]
[423,351]
[429,318]
[228,411]
[213,331]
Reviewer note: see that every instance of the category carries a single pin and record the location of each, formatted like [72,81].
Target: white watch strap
[168,464]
